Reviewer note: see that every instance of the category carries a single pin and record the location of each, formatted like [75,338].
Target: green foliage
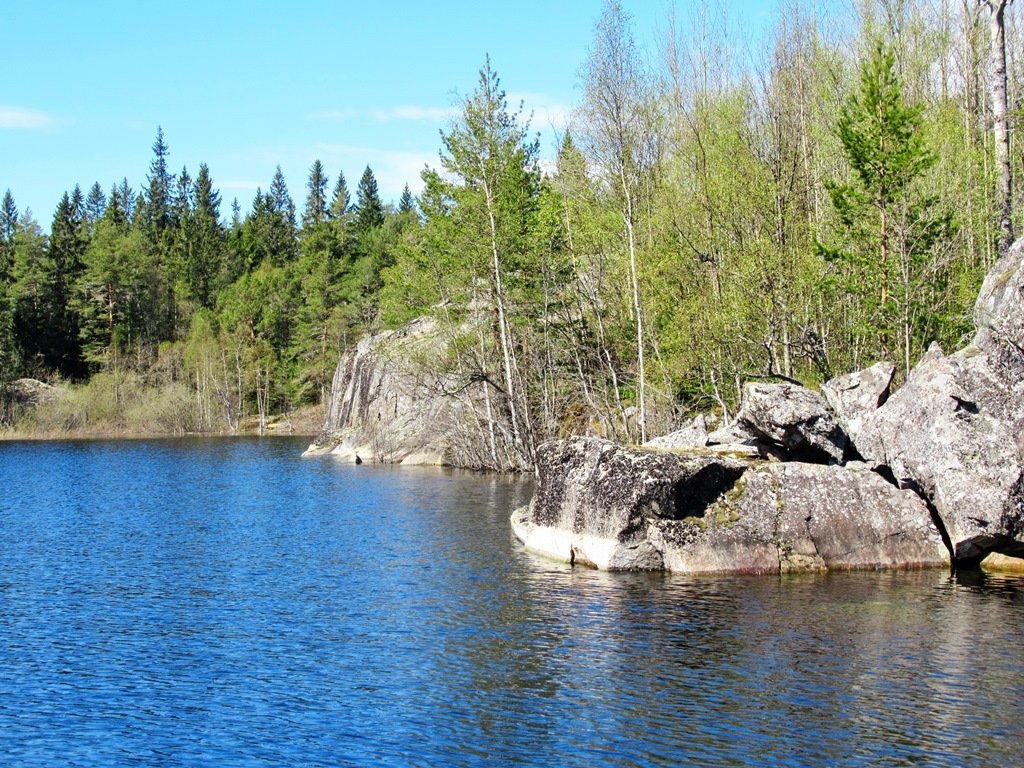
[796,212]
[892,227]
[316,210]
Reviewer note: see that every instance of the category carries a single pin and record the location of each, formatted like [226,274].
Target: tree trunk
[628,216]
[1000,130]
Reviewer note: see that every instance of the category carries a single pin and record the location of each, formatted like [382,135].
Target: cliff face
[381,409]
[402,397]
[930,474]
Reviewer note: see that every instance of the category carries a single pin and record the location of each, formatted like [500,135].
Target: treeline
[798,207]
[231,320]
[794,210]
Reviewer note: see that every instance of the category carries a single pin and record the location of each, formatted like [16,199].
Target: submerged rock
[620,508]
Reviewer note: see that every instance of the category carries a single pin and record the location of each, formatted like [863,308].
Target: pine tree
[889,226]
[481,215]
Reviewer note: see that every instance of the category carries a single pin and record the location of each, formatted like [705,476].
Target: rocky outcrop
[932,436]
[405,397]
[942,476]
[386,407]
[626,508]
[955,431]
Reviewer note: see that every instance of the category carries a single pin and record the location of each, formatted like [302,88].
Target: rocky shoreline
[856,477]
[853,476]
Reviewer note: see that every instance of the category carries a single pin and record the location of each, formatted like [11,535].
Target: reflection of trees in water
[808,668]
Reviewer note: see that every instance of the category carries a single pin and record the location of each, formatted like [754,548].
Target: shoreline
[17,436]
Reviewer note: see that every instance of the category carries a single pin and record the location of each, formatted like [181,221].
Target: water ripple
[224,602]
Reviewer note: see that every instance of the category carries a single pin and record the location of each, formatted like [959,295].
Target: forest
[792,202]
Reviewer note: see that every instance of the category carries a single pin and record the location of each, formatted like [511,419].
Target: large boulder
[855,396]
[999,317]
[793,517]
[620,508]
[693,435]
[595,499]
[993,364]
[933,437]
[32,392]
[955,430]
[795,418]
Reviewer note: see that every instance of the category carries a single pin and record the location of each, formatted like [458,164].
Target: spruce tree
[95,206]
[129,200]
[8,363]
[406,203]
[341,200]
[30,297]
[369,209]
[283,233]
[204,269]
[59,343]
[316,210]
[8,226]
[157,203]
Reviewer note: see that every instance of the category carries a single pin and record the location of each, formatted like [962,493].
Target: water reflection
[225,602]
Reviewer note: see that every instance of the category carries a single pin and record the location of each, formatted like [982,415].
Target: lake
[226,602]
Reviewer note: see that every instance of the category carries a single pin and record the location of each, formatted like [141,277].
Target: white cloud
[413,113]
[392,169]
[20,117]
[548,113]
[407,112]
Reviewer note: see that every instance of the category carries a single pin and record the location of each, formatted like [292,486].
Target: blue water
[224,602]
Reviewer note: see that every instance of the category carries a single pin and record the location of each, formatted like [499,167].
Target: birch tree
[618,130]
[1000,128]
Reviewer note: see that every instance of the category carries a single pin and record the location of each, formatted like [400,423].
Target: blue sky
[245,87]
